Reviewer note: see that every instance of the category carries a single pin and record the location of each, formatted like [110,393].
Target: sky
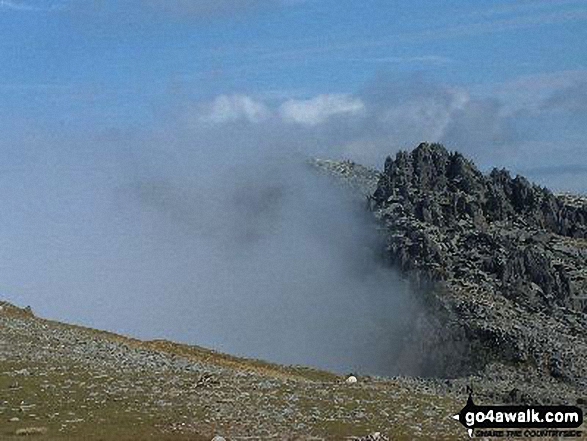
[129,128]
[503,81]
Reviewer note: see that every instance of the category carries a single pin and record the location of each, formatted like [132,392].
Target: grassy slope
[105,394]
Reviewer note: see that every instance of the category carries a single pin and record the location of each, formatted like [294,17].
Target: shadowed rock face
[458,223]
[443,188]
[503,264]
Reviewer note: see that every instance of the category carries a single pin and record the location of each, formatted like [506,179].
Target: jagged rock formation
[450,221]
[506,261]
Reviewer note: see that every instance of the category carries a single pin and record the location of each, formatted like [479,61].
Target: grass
[76,402]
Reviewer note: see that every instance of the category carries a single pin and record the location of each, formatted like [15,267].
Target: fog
[246,251]
[273,262]
[202,224]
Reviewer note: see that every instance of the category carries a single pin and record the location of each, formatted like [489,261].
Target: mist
[241,249]
[203,224]
[276,263]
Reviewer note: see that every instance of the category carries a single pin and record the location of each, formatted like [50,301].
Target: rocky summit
[501,264]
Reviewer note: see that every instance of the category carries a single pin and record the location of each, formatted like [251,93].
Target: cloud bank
[207,229]
[316,111]
[507,125]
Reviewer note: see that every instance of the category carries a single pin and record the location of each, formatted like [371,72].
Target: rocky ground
[63,382]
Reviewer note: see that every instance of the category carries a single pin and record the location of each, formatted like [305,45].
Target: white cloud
[229,108]
[317,110]
[387,115]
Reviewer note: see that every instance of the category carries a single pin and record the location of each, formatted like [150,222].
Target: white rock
[218,438]
[351,379]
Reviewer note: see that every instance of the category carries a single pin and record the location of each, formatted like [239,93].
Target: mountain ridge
[502,264]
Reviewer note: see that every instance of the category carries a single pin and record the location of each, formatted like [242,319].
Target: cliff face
[450,221]
[442,188]
[504,267]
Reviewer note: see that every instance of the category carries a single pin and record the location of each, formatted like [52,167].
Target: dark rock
[503,223]
[504,263]
[516,396]
[556,366]
[495,236]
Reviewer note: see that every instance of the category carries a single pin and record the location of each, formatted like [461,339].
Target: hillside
[500,269]
[73,383]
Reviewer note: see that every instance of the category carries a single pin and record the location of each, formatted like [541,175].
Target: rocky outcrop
[503,263]
[443,188]
[451,222]
[359,180]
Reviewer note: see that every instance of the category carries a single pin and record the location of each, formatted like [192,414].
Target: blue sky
[107,63]
[99,98]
